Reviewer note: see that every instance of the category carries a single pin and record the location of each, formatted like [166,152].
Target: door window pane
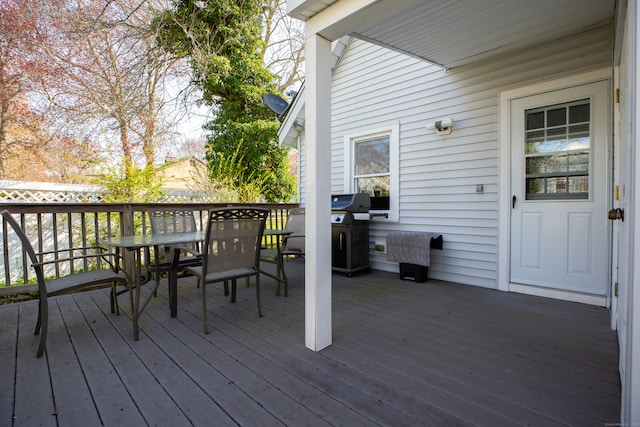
[579,113]
[535,120]
[556,117]
[557,151]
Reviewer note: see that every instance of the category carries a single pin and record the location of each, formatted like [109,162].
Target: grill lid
[358,202]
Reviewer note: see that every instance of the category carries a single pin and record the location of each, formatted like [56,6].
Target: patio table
[136,243]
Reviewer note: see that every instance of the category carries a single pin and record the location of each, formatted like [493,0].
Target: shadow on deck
[403,354]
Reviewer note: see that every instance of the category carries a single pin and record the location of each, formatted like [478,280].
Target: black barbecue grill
[350,232]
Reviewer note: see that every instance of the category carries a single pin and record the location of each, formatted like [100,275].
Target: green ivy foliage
[223,41]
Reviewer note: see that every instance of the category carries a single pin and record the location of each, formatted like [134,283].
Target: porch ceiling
[452,33]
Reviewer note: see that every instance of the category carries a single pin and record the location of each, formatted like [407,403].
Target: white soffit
[452,33]
[305,9]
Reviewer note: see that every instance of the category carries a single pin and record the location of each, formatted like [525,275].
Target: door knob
[615,214]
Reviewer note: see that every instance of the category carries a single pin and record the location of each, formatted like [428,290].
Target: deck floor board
[68,380]
[403,354]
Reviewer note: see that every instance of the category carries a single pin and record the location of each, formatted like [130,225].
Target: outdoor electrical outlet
[380,248]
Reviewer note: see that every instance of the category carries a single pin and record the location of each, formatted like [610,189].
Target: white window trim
[393,130]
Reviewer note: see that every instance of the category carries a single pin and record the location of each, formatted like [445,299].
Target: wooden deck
[404,354]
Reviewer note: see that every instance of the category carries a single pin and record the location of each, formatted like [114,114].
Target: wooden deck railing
[52,226]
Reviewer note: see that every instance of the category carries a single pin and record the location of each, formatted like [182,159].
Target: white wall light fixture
[298,126]
[442,126]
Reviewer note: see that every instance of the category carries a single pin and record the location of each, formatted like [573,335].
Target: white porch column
[318,192]
[631,372]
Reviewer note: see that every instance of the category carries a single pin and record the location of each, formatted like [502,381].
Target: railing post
[5,247]
[127,226]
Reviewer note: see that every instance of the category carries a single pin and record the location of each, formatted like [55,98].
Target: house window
[373,168]
[372,173]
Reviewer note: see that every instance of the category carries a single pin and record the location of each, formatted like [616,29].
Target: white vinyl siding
[301,170]
[438,175]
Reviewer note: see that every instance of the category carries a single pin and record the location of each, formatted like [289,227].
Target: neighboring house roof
[183,174]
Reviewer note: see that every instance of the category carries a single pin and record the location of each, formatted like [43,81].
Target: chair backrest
[172,221]
[233,239]
[295,225]
[26,246]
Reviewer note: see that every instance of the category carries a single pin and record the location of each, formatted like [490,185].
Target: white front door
[560,238]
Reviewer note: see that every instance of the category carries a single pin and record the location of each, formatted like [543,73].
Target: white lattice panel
[45,192]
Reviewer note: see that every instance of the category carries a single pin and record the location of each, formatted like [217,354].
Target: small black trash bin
[415,272]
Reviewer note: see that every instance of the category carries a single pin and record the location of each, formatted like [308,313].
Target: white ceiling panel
[452,33]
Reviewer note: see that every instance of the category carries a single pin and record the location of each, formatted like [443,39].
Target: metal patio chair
[231,251]
[173,221]
[99,267]
[292,246]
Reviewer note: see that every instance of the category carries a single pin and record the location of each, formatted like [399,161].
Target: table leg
[136,306]
[134,269]
[173,291]
[173,283]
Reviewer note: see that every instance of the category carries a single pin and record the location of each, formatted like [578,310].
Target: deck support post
[318,190]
